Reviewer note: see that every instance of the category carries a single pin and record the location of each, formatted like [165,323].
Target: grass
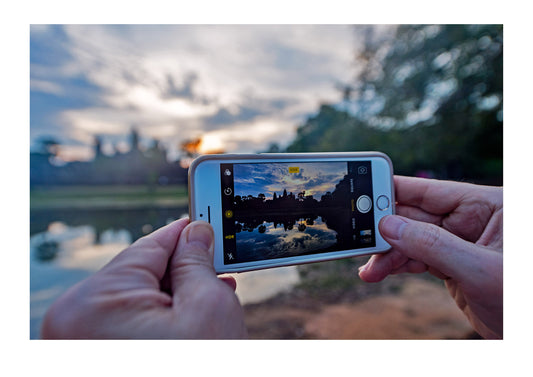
[116,196]
[330,280]
[338,281]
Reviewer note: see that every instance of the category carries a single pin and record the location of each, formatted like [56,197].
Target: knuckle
[429,237]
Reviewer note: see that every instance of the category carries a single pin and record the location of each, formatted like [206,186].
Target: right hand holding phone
[455,231]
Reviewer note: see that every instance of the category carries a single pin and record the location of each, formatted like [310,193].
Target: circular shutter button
[383,202]
[364,204]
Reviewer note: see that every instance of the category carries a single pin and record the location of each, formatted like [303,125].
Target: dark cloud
[247,112]
[224,117]
[183,91]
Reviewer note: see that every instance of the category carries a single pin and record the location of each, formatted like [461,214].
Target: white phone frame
[205,201]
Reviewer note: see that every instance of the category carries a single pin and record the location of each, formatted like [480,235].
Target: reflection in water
[46,250]
[285,220]
[291,240]
[68,246]
[137,221]
[278,236]
[271,234]
[76,247]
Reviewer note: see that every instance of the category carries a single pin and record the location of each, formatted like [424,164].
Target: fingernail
[365,266]
[200,232]
[392,226]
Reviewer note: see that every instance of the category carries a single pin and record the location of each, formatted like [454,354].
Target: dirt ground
[419,309]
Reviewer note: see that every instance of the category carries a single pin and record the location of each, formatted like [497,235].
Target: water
[274,240]
[67,246]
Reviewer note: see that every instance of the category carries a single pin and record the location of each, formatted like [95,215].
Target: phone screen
[279,210]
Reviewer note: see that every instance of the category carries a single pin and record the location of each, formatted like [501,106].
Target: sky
[239,87]
[315,178]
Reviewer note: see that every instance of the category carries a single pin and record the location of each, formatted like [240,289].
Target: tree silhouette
[430,96]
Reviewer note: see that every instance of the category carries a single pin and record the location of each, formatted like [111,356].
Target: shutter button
[364,204]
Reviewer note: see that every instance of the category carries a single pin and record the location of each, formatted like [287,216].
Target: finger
[192,262]
[435,247]
[144,262]
[230,281]
[418,214]
[436,273]
[412,267]
[433,196]
[380,266]
[168,235]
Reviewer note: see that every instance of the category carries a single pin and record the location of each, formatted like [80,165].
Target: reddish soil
[421,309]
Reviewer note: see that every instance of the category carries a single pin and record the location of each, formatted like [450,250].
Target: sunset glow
[210,144]
[177,83]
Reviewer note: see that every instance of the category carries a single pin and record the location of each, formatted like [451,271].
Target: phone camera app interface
[278,210]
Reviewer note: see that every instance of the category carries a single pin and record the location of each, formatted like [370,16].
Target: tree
[48,146]
[447,80]
[430,96]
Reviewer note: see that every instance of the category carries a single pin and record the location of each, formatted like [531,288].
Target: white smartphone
[270,210]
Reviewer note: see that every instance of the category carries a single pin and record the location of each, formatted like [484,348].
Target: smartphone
[278,209]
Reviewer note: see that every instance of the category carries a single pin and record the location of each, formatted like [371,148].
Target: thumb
[434,246]
[193,258]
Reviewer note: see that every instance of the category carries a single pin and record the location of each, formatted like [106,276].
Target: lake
[68,245]
[278,239]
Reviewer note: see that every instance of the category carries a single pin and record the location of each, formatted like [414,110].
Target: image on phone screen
[278,210]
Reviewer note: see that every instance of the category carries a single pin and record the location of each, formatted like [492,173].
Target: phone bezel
[206,200]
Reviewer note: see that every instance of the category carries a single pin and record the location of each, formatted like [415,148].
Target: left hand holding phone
[162,286]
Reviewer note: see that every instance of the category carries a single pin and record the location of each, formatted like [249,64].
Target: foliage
[430,96]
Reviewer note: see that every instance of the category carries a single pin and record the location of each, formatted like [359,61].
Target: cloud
[247,85]
[151,103]
[276,242]
[253,136]
[46,87]
[315,178]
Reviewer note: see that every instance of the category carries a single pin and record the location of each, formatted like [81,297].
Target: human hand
[162,286]
[455,231]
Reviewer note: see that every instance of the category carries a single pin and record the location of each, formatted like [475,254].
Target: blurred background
[117,112]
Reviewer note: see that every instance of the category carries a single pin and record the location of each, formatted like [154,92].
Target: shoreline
[110,197]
